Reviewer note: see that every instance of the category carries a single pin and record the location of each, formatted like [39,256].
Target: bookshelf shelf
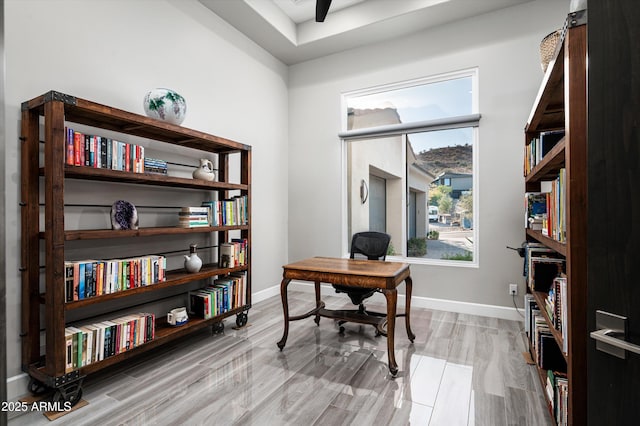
[95,234]
[561,104]
[45,171]
[107,175]
[548,108]
[549,242]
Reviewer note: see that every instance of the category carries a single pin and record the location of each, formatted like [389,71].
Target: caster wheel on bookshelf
[72,394]
[241,319]
[217,328]
[36,387]
[341,330]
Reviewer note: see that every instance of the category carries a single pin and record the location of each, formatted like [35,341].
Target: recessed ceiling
[287,28]
[305,10]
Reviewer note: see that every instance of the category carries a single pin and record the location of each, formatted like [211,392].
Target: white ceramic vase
[192,263]
[165,105]
[204,171]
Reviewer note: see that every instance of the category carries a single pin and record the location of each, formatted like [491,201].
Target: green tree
[445,206]
[436,193]
[466,202]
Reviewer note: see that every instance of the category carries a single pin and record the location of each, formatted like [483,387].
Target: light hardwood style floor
[461,370]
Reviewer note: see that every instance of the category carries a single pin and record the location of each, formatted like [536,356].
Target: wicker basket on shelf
[548,48]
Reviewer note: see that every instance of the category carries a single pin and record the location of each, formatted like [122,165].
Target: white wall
[504,46]
[113,52]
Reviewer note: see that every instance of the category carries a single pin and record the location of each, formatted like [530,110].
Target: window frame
[404,130]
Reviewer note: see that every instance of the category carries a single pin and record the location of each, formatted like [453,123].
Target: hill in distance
[455,159]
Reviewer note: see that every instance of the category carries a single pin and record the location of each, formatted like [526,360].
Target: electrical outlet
[513,289]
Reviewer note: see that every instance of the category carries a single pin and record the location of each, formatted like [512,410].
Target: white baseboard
[426,302]
[17,386]
[265,294]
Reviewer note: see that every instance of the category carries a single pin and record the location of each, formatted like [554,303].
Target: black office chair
[372,246]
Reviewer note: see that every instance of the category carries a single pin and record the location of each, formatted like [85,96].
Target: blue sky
[448,98]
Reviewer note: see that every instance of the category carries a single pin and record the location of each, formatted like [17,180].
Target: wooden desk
[374,274]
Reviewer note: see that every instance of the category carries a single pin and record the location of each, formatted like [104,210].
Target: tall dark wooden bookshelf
[561,104]
[48,179]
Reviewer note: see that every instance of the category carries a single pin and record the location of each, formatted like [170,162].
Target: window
[410,169]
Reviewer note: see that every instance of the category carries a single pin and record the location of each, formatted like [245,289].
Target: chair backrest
[371,244]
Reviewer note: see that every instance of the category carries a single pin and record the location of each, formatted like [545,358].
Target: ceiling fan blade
[322,8]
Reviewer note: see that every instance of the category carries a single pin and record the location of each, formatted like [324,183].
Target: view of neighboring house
[459,182]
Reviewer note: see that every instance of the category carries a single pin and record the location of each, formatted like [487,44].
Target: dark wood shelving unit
[561,103]
[47,180]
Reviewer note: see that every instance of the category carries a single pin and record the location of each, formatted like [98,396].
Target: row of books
[546,211]
[544,347]
[557,307]
[540,146]
[541,266]
[226,293]
[89,343]
[101,152]
[193,217]
[233,253]
[231,212]
[547,356]
[555,224]
[557,389]
[90,278]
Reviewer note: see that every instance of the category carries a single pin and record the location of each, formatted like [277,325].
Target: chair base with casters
[373,246]
[342,316]
[361,315]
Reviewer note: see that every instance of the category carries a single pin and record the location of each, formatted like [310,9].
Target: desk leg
[317,287]
[409,287]
[392,300]
[285,308]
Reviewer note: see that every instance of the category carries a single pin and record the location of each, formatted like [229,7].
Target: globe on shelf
[165,105]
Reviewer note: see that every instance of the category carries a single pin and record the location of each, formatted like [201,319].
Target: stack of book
[153,165]
[535,205]
[193,217]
